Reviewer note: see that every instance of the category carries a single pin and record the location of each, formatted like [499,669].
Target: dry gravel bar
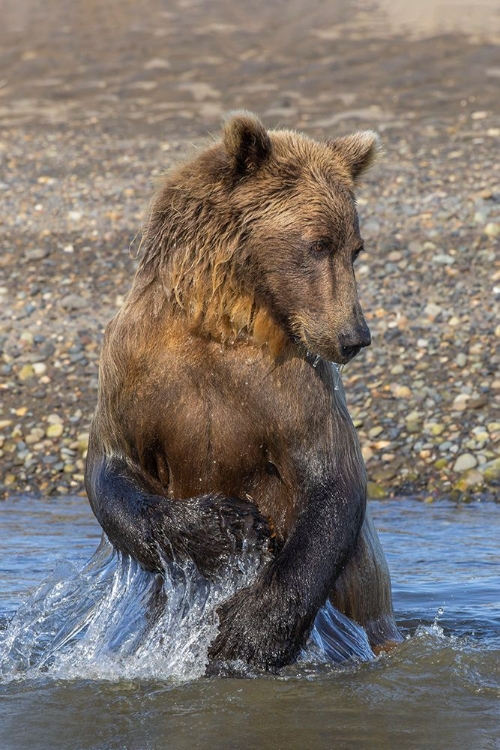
[94,103]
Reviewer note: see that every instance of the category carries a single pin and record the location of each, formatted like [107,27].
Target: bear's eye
[357,253]
[321,247]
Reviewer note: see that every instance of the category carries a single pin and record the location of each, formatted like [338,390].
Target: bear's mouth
[348,353]
[340,355]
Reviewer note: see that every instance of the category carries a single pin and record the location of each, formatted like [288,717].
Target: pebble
[375,491]
[443,259]
[26,373]
[435,428]
[74,302]
[401,391]
[469,481]
[460,402]
[367,453]
[35,435]
[492,230]
[432,310]
[39,368]
[36,253]
[464,462]
[491,470]
[27,338]
[54,430]
[397,370]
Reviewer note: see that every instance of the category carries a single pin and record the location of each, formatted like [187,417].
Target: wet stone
[375,491]
[491,470]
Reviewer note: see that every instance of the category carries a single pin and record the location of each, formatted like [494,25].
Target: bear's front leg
[267,623]
[264,625]
[209,530]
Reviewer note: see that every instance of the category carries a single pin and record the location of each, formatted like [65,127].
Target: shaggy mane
[196,251]
[191,249]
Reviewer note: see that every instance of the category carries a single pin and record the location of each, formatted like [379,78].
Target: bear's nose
[353,340]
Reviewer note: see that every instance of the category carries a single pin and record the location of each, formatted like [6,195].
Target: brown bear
[221,421]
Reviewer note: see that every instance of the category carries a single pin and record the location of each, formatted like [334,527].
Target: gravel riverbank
[93,106]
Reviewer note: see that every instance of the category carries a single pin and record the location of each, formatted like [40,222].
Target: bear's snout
[353,340]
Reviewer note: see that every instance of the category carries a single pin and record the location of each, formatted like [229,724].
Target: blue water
[82,668]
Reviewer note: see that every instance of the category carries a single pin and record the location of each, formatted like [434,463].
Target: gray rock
[465,462]
[74,302]
[36,253]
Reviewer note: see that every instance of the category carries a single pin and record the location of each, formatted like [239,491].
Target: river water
[82,666]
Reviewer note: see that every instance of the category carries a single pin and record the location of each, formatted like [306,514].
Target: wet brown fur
[207,383]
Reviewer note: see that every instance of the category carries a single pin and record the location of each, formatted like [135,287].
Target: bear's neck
[229,318]
[242,322]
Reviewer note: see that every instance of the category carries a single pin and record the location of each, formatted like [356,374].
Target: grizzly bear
[221,423]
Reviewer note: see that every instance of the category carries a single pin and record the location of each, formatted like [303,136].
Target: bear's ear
[358,151]
[246,141]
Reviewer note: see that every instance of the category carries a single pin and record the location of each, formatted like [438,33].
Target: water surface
[441,688]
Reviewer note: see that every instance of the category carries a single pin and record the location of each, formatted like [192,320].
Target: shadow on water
[85,663]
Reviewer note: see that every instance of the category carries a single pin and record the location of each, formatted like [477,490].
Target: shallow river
[82,667]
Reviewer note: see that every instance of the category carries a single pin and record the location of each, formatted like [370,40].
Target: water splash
[111,621]
[338,375]
[314,359]
[437,631]
[335,638]
[436,628]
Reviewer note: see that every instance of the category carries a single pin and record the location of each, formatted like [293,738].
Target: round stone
[465,462]
[54,430]
[25,373]
[491,470]
[39,368]
[492,230]
[401,391]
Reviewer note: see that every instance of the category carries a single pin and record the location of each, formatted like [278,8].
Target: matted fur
[221,423]
[195,239]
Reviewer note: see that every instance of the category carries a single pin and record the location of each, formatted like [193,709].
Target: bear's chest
[212,447]
[240,428]
[235,452]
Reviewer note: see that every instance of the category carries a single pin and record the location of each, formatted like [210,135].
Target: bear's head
[257,236]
